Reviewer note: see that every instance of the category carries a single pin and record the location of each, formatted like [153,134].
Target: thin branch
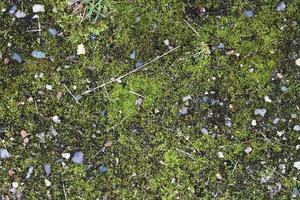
[71,94]
[191,27]
[129,73]
[186,153]
[65,194]
[137,94]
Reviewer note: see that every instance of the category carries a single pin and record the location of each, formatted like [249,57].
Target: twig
[106,145]
[65,194]
[129,73]
[191,27]
[186,153]
[137,94]
[71,94]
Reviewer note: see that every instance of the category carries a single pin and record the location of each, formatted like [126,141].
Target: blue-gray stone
[248,13]
[13,9]
[47,168]
[139,64]
[16,57]
[295,192]
[133,55]
[4,154]
[221,46]
[281,6]
[52,31]
[38,54]
[78,157]
[102,169]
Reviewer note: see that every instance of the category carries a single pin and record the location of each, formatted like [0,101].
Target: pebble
[4,154]
[248,13]
[281,6]
[66,155]
[228,122]
[80,49]
[49,87]
[276,120]
[139,64]
[248,150]
[296,128]
[204,131]
[254,123]
[295,192]
[280,133]
[19,14]
[103,169]
[38,54]
[52,31]
[297,165]
[77,157]
[297,62]
[184,110]
[133,55]
[220,154]
[267,99]
[47,168]
[13,9]
[29,172]
[37,8]
[284,89]
[186,98]
[47,182]
[262,112]
[56,119]
[219,176]
[167,42]
[11,172]
[16,57]
[15,184]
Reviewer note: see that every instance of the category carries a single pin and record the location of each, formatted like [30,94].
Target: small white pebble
[80,49]
[49,87]
[297,146]
[279,75]
[219,176]
[297,165]
[56,119]
[15,184]
[297,62]
[262,112]
[276,120]
[66,155]
[186,98]
[293,116]
[167,42]
[220,154]
[248,150]
[47,182]
[280,133]
[267,99]
[296,128]
[38,8]
[254,123]
[204,131]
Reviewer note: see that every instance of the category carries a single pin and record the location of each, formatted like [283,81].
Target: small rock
[295,192]
[186,98]
[56,119]
[296,128]
[220,154]
[66,155]
[52,31]
[92,36]
[183,110]
[228,122]
[284,89]
[267,99]
[24,133]
[37,8]
[4,154]
[29,172]
[202,11]
[167,42]
[219,176]
[47,168]
[254,123]
[248,150]
[204,131]
[77,157]
[47,182]
[13,9]
[297,62]
[11,173]
[80,49]
[297,165]
[139,64]
[262,112]
[6,61]
[38,54]
[281,6]
[276,120]
[15,184]
[139,101]
[49,87]
[133,55]
[221,46]
[19,14]
[102,169]
[280,133]
[16,57]
[248,13]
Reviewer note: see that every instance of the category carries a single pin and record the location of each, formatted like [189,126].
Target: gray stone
[16,57]
[281,6]
[47,168]
[78,157]
[29,172]
[38,54]
[4,154]
[262,112]
[296,128]
[248,13]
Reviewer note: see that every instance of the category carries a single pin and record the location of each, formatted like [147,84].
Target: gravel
[52,31]
[262,112]
[248,13]
[16,57]
[38,54]
[47,168]
[19,14]
[281,6]
[184,110]
[204,131]
[296,128]
[133,55]
[78,157]
[29,172]
[4,154]
[102,169]
[37,8]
